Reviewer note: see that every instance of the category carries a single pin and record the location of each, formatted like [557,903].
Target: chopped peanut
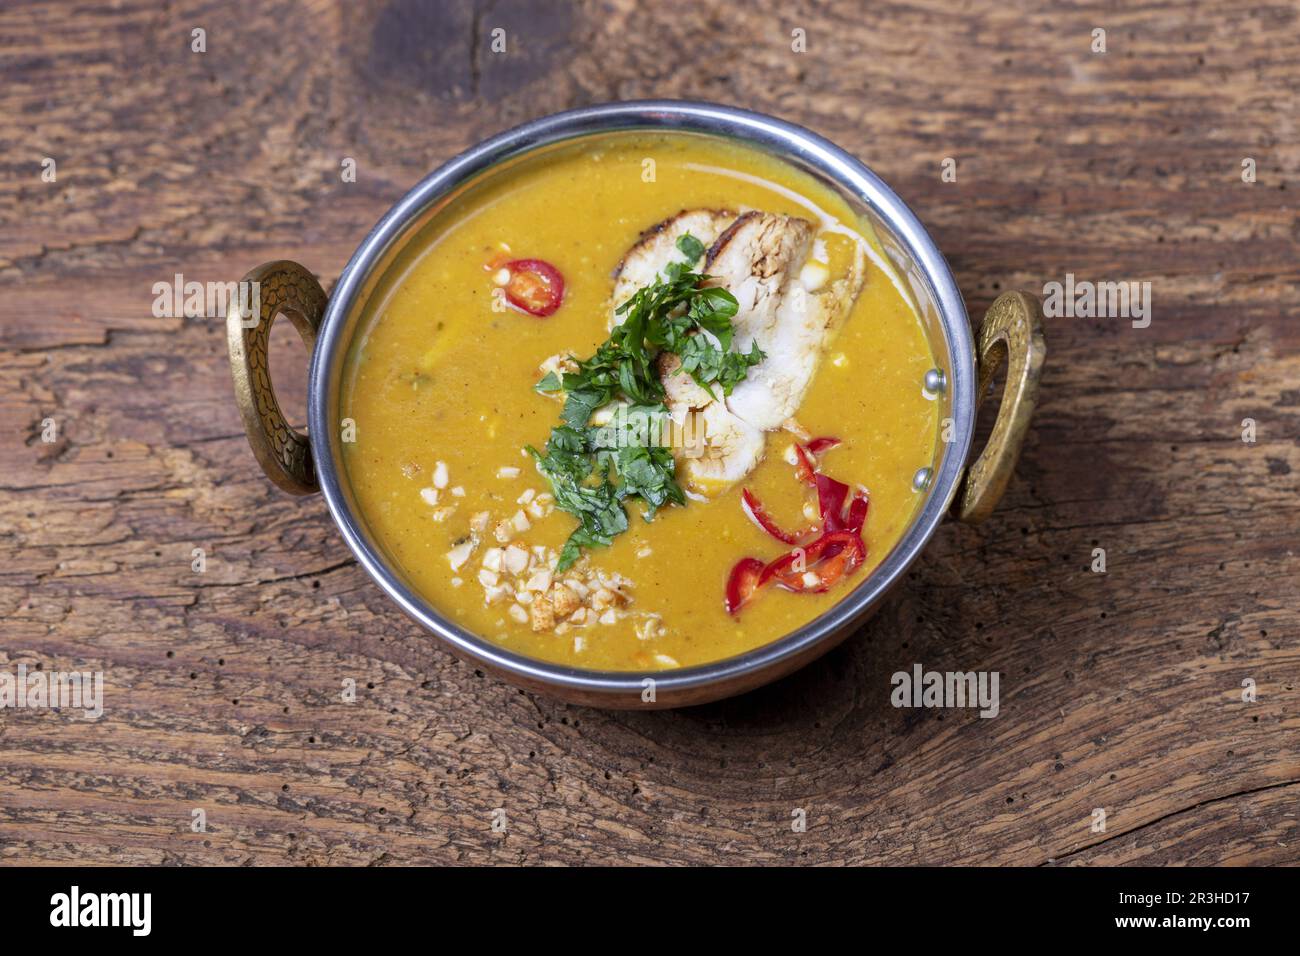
[564,600]
[543,614]
[516,559]
[458,555]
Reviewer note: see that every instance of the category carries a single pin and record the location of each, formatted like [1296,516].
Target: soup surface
[440,384]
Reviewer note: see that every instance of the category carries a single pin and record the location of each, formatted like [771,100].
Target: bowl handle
[1012,330]
[276,288]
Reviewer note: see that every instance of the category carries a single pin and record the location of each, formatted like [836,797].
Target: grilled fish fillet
[759,259]
[756,260]
[657,248]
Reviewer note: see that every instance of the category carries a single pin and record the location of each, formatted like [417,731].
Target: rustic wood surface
[1120,691]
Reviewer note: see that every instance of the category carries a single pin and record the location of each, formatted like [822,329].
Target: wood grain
[1120,691]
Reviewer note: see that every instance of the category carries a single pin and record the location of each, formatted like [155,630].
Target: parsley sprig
[593,470]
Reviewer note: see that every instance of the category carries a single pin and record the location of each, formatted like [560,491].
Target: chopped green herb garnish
[594,469]
[690,247]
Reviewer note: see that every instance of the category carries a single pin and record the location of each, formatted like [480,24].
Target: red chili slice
[535,286]
[828,559]
[857,512]
[831,495]
[758,514]
[819,445]
[817,566]
[806,466]
[742,582]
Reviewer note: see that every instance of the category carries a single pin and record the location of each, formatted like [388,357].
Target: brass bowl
[1011,331]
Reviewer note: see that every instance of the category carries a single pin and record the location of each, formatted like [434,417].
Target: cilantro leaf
[690,247]
[594,470]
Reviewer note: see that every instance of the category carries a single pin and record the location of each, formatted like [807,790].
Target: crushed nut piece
[564,600]
[459,554]
[516,559]
[543,614]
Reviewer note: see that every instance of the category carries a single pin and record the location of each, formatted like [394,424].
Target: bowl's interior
[920,273]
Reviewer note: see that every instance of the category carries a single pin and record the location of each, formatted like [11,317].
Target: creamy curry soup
[762,397]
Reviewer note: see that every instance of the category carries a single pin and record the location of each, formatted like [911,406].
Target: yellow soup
[440,385]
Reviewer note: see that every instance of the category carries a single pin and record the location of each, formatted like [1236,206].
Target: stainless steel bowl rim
[766,132]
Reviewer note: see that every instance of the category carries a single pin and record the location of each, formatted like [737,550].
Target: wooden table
[1120,691]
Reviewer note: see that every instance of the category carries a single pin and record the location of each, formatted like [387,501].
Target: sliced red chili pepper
[827,559]
[535,286]
[831,495]
[857,512]
[758,514]
[818,565]
[806,466]
[839,565]
[819,445]
[778,567]
[742,583]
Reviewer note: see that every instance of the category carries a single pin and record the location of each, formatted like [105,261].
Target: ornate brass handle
[281,288]
[1012,330]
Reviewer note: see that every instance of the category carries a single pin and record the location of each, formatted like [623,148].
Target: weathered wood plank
[1120,691]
